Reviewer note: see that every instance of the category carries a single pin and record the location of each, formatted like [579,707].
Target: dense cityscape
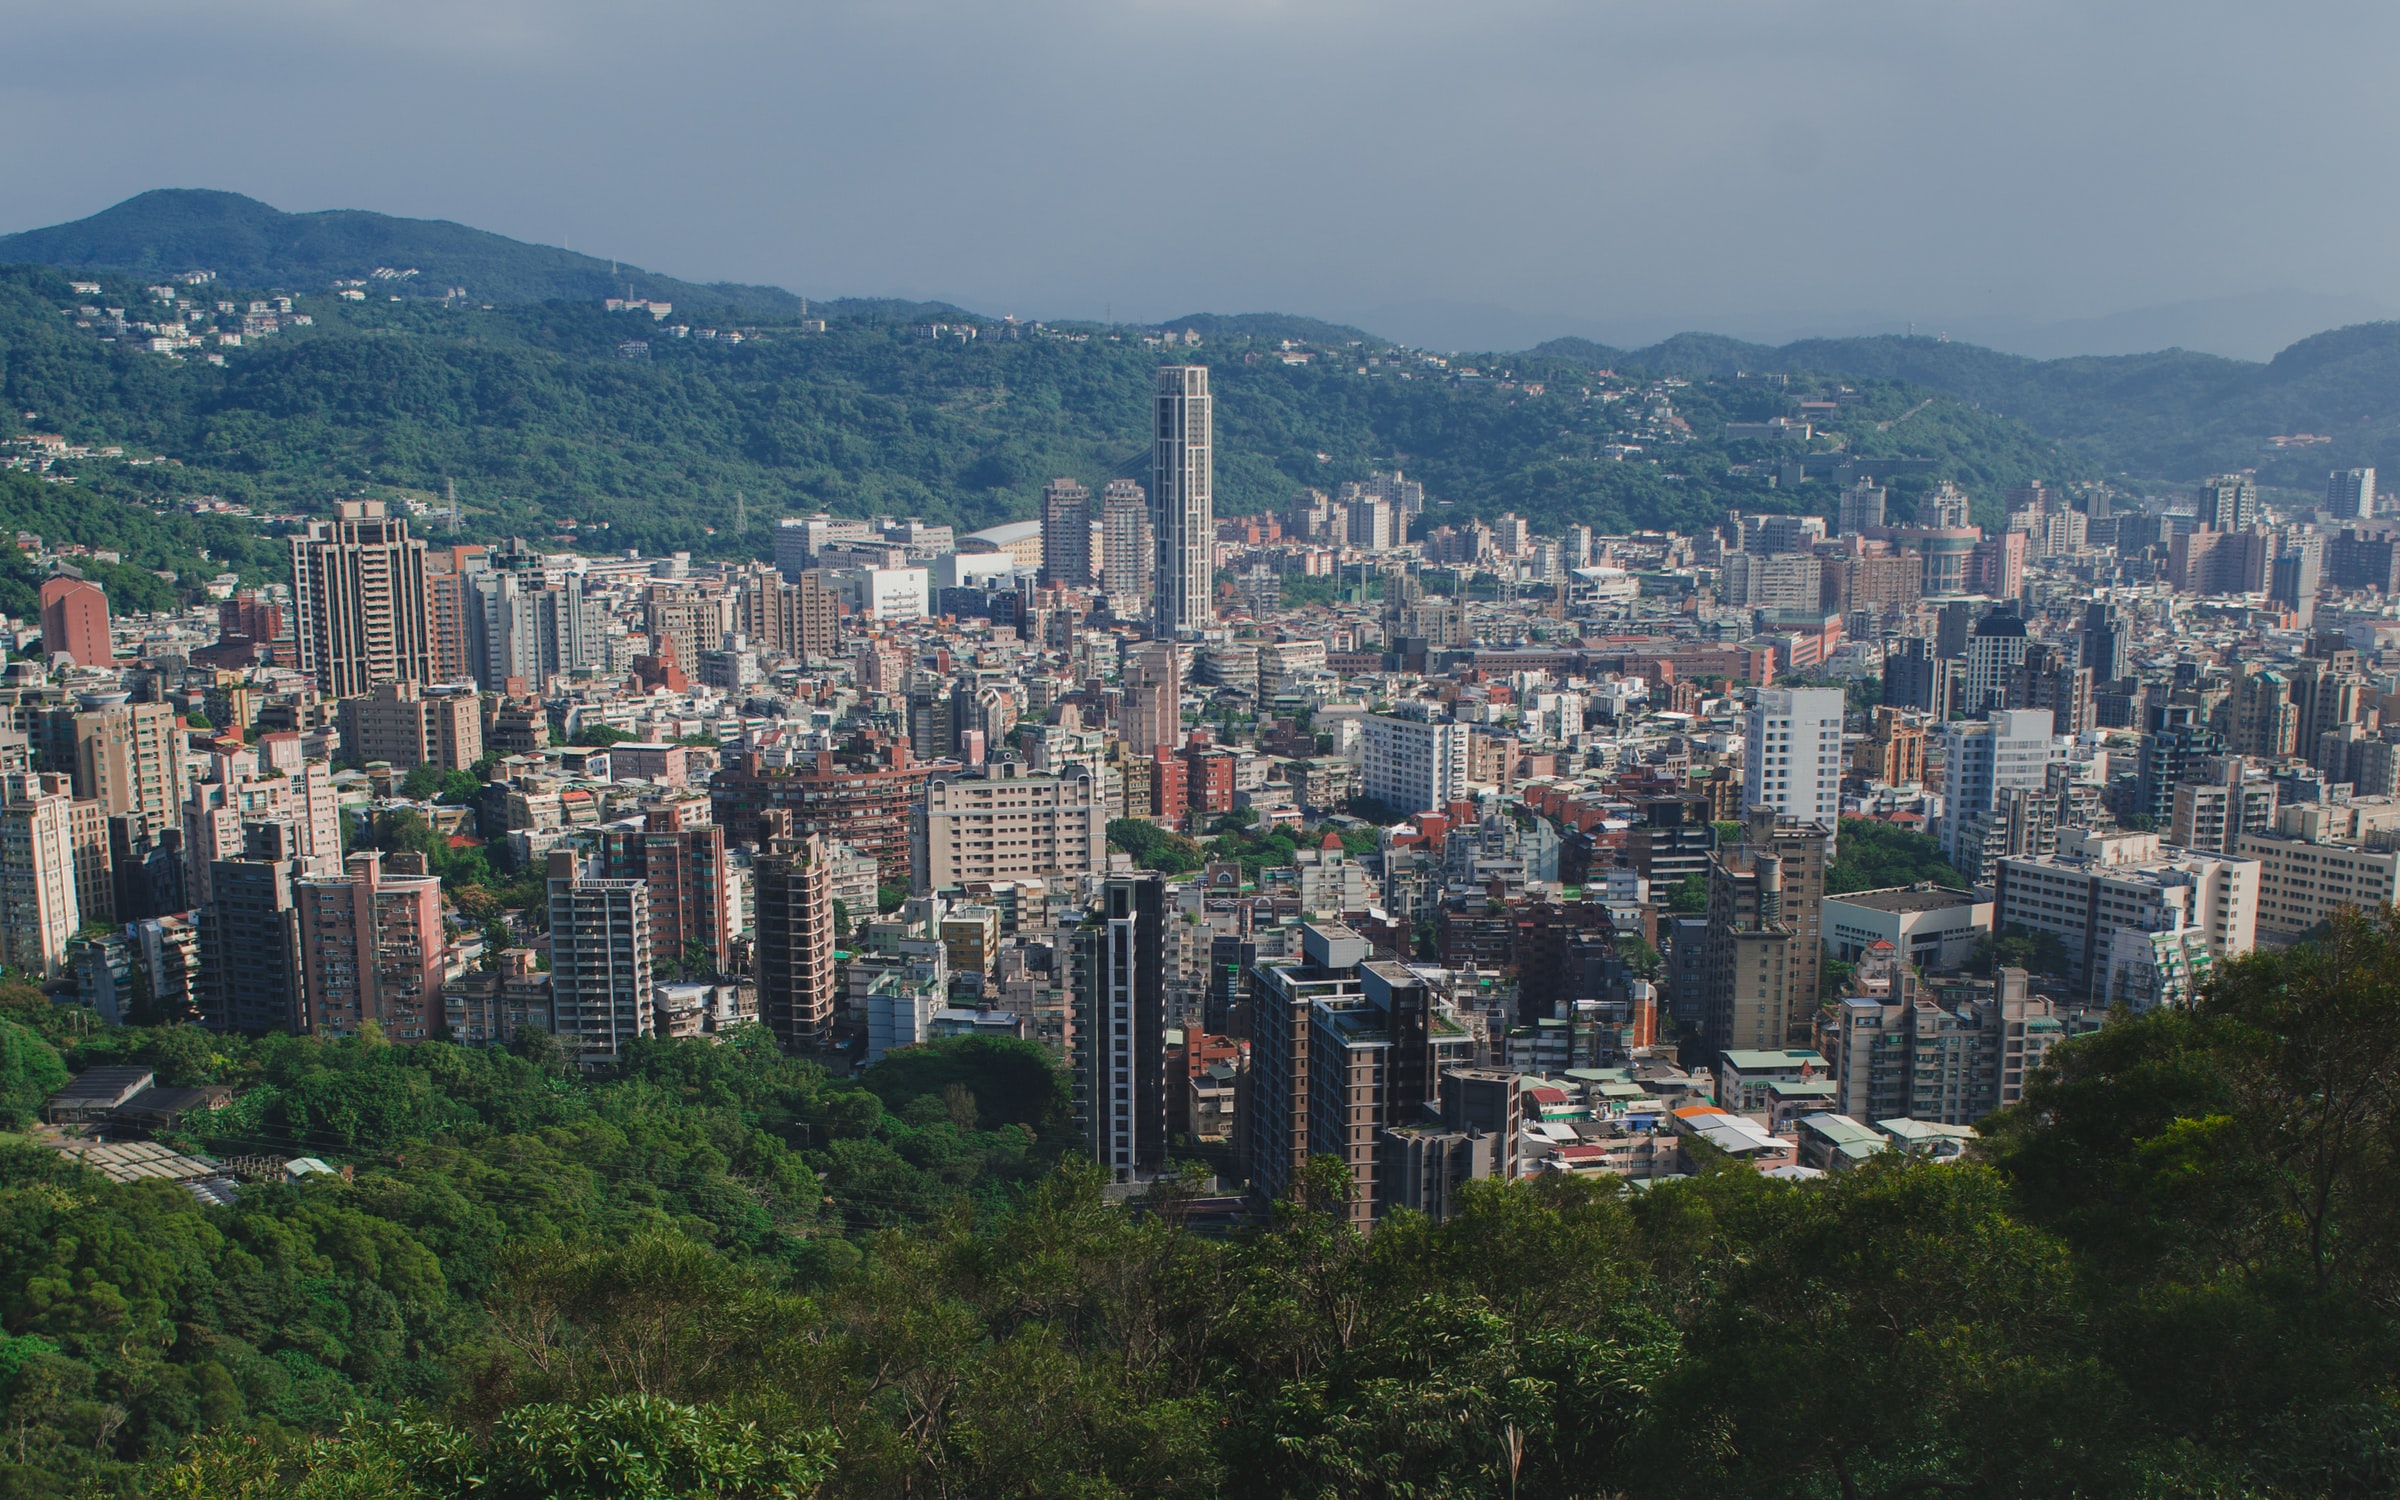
[1261,752]
[1503,855]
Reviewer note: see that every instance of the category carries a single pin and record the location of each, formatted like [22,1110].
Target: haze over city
[2043,176]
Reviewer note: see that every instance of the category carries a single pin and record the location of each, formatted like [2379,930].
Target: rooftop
[1906,898]
[1767,1062]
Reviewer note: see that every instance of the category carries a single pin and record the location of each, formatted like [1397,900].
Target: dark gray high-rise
[2103,641]
[1121,1034]
[250,937]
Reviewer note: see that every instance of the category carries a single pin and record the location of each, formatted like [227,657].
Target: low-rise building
[1933,927]
[2323,858]
[2100,883]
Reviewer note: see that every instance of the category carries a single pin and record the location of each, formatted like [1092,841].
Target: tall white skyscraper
[1793,754]
[1183,516]
[2350,494]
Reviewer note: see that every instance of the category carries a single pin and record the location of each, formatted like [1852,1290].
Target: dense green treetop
[1873,855]
[2171,1272]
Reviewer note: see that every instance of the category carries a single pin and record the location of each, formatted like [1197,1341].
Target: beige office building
[1006,822]
[2323,857]
[129,759]
[402,724]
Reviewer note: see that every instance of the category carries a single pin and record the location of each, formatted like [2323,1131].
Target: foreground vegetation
[2173,1272]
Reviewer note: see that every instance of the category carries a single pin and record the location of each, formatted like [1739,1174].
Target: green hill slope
[537,416]
[2173,414]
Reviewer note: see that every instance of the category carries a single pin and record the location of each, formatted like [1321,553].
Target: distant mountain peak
[250,244]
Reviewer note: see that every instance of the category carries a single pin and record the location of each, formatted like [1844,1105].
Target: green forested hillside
[536,416]
[2171,1272]
[2169,415]
[528,408]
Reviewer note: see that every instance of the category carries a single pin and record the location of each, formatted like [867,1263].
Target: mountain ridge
[251,244]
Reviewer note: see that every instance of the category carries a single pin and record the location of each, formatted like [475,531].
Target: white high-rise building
[1983,757]
[1414,765]
[1994,652]
[1793,754]
[2350,494]
[1183,517]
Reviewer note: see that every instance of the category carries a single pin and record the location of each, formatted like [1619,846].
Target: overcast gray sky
[1462,171]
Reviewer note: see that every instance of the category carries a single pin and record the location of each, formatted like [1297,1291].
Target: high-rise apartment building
[600,958]
[2296,574]
[1153,715]
[401,723]
[129,758]
[1994,652]
[1128,547]
[1415,765]
[2005,749]
[867,806]
[95,873]
[1945,507]
[682,861]
[2104,641]
[1952,1056]
[75,622]
[1862,507]
[1183,518]
[797,617]
[793,885]
[219,813]
[1120,1031]
[38,909]
[1066,533]
[518,628]
[1764,957]
[2350,494]
[1917,675]
[2228,502]
[1007,822]
[2217,815]
[1373,1065]
[250,955]
[1792,753]
[360,615]
[2048,678]
[2173,746]
[372,951]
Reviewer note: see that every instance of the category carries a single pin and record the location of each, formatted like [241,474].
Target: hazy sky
[1770,167]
